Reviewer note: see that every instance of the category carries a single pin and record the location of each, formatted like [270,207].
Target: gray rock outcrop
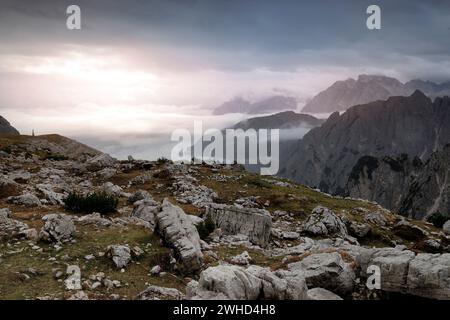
[325,270]
[359,230]
[26,199]
[236,283]
[254,223]
[187,190]
[242,259]
[158,293]
[57,227]
[179,232]
[100,161]
[139,195]
[120,255]
[8,187]
[146,209]
[10,228]
[446,227]
[425,274]
[94,218]
[429,276]
[47,190]
[111,189]
[324,222]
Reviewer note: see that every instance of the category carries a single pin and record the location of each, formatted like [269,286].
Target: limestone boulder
[179,232]
[237,283]
[254,223]
[120,255]
[57,227]
[325,270]
[324,222]
[26,200]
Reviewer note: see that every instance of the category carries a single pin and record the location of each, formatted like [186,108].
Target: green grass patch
[18,258]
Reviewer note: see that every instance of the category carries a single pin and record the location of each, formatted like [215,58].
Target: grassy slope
[19,257]
[70,145]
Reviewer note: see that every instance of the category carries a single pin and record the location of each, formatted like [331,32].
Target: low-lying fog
[144,132]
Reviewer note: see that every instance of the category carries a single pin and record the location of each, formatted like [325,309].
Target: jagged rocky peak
[366,88]
[344,94]
[412,125]
[6,128]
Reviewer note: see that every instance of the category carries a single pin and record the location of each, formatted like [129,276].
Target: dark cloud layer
[239,35]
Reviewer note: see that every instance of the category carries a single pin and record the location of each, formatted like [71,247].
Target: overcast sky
[136,66]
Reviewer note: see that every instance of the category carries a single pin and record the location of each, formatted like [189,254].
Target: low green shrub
[7,149]
[205,228]
[437,219]
[55,157]
[93,202]
[163,160]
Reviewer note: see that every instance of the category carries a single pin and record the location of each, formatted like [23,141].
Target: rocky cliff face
[367,88]
[429,192]
[384,180]
[326,155]
[6,128]
[405,185]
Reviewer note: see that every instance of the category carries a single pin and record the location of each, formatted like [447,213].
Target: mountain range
[327,155]
[268,105]
[367,88]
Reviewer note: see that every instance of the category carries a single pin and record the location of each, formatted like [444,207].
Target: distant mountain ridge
[269,105]
[6,128]
[281,120]
[367,88]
